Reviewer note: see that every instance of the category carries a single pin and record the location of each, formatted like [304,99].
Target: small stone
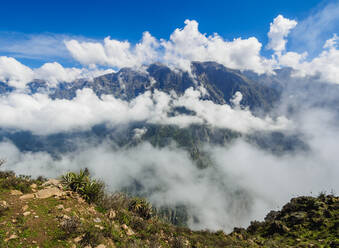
[3,206]
[36,217]
[60,207]
[124,226]
[77,239]
[34,242]
[26,213]
[24,208]
[13,236]
[97,220]
[68,209]
[111,214]
[16,192]
[101,246]
[100,227]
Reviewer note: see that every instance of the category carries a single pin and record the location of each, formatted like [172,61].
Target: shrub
[75,181]
[70,226]
[10,181]
[91,190]
[115,201]
[91,237]
[141,207]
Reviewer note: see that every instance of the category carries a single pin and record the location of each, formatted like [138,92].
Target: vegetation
[80,214]
[90,189]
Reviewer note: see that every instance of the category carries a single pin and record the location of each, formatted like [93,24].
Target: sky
[127,20]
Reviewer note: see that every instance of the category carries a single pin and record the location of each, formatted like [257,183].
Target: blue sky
[128,19]
[26,26]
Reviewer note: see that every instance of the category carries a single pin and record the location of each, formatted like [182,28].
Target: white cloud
[14,73]
[42,115]
[18,75]
[325,65]
[184,45]
[279,30]
[54,73]
[113,52]
[243,184]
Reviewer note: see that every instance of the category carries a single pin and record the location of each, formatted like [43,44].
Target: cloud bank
[42,115]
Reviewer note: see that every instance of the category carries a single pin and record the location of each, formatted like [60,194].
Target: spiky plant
[141,207]
[75,181]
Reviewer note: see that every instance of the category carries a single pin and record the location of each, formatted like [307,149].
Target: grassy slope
[304,222]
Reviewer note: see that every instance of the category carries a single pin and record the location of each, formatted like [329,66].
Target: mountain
[220,82]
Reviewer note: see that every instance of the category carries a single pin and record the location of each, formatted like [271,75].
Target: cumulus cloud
[14,73]
[325,66]
[184,45]
[113,52]
[279,30]
[42,115]
[18,75]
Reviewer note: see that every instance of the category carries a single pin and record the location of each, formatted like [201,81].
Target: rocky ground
[39,213]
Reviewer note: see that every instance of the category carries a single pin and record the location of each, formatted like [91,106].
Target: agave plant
[92,191]
[141,207]
[75,181]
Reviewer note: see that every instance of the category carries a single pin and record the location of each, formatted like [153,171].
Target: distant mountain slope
[220,82]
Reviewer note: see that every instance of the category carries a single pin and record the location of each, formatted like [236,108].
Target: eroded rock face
[27,196]
[46,193]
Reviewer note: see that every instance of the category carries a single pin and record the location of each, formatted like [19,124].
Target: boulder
[27,196]
[46,193]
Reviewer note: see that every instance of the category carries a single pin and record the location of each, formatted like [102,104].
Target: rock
[68,209]
[60,207]
[52,181]
[112,214]
[26,213]
[24,208]
[3,206]
[78,239]
[16,192]
[46,193]
[27,197]
[97,220]
[101,246]
[100,227]
[33,186]
[129,232]
[13,236]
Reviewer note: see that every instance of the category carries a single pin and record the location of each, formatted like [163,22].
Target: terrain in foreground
[76,212]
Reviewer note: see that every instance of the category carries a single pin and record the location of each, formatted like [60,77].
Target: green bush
[141,207]
[90,189]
